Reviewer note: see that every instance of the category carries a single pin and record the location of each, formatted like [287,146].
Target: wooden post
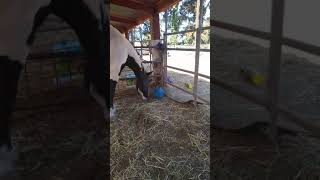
[155,26]
[157,63]
[198,42]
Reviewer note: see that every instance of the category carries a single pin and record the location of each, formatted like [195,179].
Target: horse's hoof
[112,114]
[7,163]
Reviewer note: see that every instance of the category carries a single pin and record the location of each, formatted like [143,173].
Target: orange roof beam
[145,6]
[122,19]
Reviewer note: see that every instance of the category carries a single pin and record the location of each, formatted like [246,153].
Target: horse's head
[143,83]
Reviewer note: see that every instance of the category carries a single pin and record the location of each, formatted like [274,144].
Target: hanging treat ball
[158,92]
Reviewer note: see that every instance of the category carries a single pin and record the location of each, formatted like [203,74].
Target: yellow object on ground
[253,77]
[188,85]
[258,79]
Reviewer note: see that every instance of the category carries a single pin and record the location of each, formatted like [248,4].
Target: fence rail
[309,48]
[187,31]
[187,71]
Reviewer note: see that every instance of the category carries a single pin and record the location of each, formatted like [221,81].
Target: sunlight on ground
[186,60]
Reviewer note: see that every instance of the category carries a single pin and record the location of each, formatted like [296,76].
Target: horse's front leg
[9,76]
[113,85]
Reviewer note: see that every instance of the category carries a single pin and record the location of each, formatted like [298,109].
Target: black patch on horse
[113,85]
[9,77]
[141,76]
[41,15]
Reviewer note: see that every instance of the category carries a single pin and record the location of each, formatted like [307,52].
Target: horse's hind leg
[9,76]
[113,85]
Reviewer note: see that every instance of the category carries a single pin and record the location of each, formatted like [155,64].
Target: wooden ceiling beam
[119,18]
[145,6]
[121,28]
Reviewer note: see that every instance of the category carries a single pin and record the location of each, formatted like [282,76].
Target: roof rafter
[119,18]
[142,5]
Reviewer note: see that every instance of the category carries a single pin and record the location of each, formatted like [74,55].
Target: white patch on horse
[112,113]
[120,49]
[16,17]
[143,98]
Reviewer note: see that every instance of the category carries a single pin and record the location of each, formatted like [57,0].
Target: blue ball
[158,92]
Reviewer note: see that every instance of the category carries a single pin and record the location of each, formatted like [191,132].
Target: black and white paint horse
[18,19]
[122,54]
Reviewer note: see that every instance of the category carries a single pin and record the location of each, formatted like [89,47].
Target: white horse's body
[120,49]
[123,53]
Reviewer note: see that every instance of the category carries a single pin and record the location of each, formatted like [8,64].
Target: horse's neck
[133,53]
[134,66]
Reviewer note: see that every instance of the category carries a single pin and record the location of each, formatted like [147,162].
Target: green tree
[180,17]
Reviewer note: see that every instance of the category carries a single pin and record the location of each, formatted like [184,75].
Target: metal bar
[187,71]
[275,62]
[309,48]
[165,40]
[308,124]
[202,99]
[151,62]
[240,29]
[141,55]
[145,47]
[187,31]
[255,99]
[37,56]
[187,49]
[198,43]
[149,40]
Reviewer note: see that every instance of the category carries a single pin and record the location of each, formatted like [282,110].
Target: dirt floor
[249,154]
[60,134]
[180,79]
[159,139]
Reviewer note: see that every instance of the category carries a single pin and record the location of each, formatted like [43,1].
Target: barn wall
[300,20]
